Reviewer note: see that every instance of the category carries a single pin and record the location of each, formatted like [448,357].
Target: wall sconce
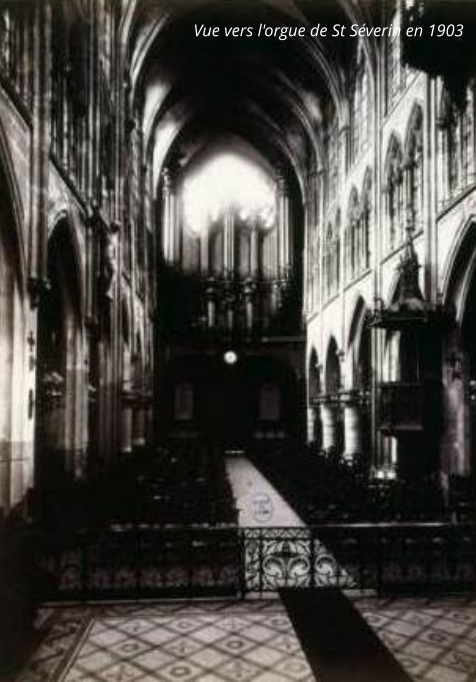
[455,362]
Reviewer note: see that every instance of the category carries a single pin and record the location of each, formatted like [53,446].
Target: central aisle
[258,503]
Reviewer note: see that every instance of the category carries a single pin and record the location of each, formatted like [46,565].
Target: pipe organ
[240,261]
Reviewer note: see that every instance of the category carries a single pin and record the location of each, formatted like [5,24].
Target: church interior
[237,341]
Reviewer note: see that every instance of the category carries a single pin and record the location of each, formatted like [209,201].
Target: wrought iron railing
[138,562]
[277,558]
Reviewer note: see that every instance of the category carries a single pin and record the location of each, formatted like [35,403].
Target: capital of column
[351,397]
[167,181]
[128,396]
[281,184]
[249,289]
[211,288]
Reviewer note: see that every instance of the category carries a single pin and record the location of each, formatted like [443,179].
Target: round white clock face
[230,357]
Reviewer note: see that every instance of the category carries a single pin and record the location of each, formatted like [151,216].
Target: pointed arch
[413,163]
[13,321]
[366,217]
[314,376]
[456,143]
[414,127]
[393,186]
[62,232]
[459,269]
[61,420]
[359,345]
[352,235]
[12,211]
[333,377]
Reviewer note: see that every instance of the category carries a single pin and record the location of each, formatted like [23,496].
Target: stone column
[283,228]
[166,189]
[312,418]
[210,295]
[329,427]
[126,422]
[229,305]
[204,252]
[275,297]
[171,242]
[249,294]
[254,245]
[352,430]
[229,245]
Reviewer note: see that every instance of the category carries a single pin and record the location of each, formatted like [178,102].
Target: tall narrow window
[333,160]
[353,236]
[414,169]
[394,194]
[366,217]
[457,144]
[396,72]
[360,109]
[332,257]
[467,140]
[70,91]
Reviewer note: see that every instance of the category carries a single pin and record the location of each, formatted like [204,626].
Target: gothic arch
[393,186]
[366,206]
[359,309]
[353,228]
[333,375]
[459,268]
[14,471]
[61,419]
[394,152]
[62,221]
[12,209]
[414,125]
[314,376]
[413,166]
[359,345]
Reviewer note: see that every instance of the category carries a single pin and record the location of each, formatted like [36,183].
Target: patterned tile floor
[434,639]
[205,641]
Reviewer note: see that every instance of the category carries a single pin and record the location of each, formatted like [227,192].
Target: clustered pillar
[341,426]
[136,421]
[329,427]
[283,229]
[353,444]
[126,422]
[171,233]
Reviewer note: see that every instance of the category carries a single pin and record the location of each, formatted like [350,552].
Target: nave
[237,334]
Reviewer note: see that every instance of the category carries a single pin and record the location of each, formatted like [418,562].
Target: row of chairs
[180,483]
[324,490]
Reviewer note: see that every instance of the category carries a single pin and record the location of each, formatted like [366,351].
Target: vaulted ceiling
[273,93]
